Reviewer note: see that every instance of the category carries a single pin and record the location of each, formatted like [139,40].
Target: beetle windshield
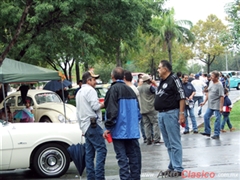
[47,97]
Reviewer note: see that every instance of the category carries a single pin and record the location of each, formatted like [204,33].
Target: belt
[165,110]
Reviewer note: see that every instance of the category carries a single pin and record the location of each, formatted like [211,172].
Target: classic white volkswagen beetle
[41,147]
[47,106]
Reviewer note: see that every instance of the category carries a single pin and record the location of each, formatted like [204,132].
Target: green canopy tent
[12,71]
[15,71]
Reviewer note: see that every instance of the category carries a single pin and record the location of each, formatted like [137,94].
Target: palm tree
[170,30]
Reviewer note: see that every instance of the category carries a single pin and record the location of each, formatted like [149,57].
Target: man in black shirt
[189,91]
[170,102]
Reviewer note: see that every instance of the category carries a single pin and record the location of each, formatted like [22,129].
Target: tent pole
[63,102]
[5,107]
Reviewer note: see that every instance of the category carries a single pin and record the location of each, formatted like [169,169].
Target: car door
[6,145]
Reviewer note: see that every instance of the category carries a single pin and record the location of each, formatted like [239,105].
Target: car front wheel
[51,160]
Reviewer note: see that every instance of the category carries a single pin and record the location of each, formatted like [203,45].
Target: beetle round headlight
[61,118]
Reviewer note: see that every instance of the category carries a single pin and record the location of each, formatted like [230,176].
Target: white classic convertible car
[41,147]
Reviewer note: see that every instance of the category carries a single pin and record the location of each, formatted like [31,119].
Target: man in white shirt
[199,86]
[90,122]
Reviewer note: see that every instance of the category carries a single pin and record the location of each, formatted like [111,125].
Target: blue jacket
[227,101]
[122,112]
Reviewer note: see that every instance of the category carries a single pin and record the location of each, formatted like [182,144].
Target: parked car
[42,147]
[47,106]
[234,78]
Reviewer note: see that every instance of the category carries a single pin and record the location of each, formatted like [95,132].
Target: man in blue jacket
[123,116]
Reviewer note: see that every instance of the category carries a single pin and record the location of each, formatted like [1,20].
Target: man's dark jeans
[95,143]
[128,154]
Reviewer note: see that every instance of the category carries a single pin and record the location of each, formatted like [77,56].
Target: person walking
[170,102]
[149,114]
[189,91]
[215,99]
[226,111]
[199,86]
[90,122]
[122,121]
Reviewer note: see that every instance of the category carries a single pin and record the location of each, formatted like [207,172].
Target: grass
[234,119]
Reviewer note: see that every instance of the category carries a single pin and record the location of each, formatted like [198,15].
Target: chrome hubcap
[51,161]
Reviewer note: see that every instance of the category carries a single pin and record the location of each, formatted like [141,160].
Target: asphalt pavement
[211,159]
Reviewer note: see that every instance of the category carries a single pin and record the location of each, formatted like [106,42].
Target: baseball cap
[93,75]
[196,75]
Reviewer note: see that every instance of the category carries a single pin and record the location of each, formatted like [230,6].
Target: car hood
[36,133]
[71,112]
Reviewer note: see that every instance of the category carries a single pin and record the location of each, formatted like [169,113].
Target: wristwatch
[181,112]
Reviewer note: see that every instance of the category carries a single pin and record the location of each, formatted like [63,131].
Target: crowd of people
[157,110]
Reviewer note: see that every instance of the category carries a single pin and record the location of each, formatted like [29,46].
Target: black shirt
[169,93]
[188,89]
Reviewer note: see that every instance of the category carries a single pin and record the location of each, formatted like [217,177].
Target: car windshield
[47,97]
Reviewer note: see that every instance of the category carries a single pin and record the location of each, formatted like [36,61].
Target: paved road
[220,158]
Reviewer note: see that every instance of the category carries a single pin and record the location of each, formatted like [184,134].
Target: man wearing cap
[122,121]
[90,122]
[149,114]
[199,87]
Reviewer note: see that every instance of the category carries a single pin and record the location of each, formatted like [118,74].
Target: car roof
[33,91]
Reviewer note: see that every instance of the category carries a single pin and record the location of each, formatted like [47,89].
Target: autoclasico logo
[203,174]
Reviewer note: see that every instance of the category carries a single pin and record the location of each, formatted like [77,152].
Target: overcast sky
[195,10]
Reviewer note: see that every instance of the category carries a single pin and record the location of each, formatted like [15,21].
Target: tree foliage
[233,11]
[170,30]
[63,32]
[208,44]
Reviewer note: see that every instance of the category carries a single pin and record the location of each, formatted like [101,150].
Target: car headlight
[61,118]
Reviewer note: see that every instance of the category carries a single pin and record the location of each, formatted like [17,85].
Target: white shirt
[198,85]
[88,106]
[135,89]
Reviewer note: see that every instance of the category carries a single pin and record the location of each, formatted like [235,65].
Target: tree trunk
[208,68]
[19,28]
[77,71]
[169,51]
[118,52]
